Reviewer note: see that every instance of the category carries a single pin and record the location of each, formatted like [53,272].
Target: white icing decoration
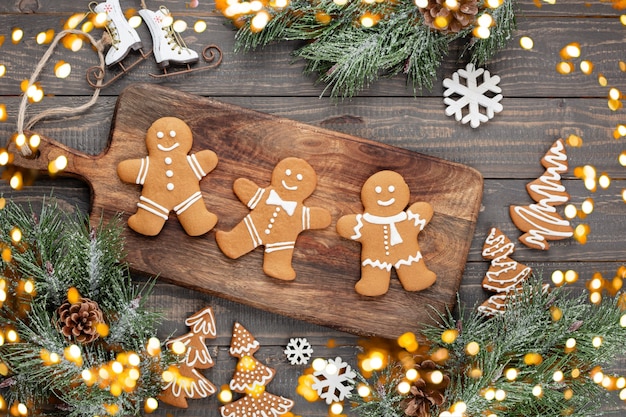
[542,216]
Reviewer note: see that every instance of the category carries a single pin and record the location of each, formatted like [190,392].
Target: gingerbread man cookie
[171,180]
[388,235]
[278,216]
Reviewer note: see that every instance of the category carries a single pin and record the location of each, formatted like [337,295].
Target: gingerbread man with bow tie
[278,215]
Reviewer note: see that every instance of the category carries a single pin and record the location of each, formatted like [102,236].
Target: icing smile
[171,148]
[294,188]
[386,203]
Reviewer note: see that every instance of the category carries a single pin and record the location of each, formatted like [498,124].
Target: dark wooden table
[540,106]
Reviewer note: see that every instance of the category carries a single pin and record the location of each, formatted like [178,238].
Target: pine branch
[482,50]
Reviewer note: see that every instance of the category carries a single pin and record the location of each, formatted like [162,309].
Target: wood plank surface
[540,106]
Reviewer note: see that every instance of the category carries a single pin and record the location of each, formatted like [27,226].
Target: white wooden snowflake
[335,382]
[473,94]
[298,351]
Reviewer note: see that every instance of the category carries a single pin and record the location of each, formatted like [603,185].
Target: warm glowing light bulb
[557,276]
[34,141]
[490,394]
[259,21]
[449,336]
[412,374]
[586,67]
[363,390]
[472,348]
[60,163]
[587,206]
[331,369]
[421,3]
[481,32]
[200,26]
[318,364]
[451,4]
[12,336]
[3,70]
[180,26]
[526,42]
[153,346]
[604,181]
[493,4]
[571,276]
[336,409]
[500,395]
[17,35]
[596,342]
[404,387]
[485,20]
[150,405]
[16,183]
[16,235]
[537,391]
[436,377]
[20,140]
[564,67]
[62,69]
[135,21]
[511,374]
[225,395]
[558,376]
[570,343]
[571,50]
[178,347]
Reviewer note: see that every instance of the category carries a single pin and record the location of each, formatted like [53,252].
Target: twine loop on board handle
[22,125]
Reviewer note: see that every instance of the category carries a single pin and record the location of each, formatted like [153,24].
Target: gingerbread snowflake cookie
[388,235]
[278,215]
[170,178]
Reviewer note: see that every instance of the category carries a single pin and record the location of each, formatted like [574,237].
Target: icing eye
[160,135]
[391,188]
[288,172]
[172,133]
[378,189]
[299,177]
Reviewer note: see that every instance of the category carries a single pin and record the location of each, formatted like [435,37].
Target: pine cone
[79,321]
[425,394]
[454,20]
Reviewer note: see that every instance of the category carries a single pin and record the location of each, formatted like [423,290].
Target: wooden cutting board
[248,145]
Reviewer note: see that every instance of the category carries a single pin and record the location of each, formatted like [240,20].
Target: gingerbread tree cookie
[170,178]
[505,275]
[278,215]
[388,235]
[186,381]
[540,221]
[250,378]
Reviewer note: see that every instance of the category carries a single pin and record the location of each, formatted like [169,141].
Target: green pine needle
[59,251]
[528,326]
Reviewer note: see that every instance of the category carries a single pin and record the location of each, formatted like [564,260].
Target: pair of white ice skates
[167,45]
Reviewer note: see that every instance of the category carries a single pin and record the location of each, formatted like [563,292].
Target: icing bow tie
[275,200]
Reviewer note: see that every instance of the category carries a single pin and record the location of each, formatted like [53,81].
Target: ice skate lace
[109,26]
[174,40]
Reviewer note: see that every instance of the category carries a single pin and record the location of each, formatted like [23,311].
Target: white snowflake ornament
[473,94]
[335,382]
[298,351]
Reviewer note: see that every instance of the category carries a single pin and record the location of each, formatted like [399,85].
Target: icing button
[170,186]
[267,231]
[168,160]
[169,173]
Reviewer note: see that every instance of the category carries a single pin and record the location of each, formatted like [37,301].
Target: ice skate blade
[97,74]
[211,54]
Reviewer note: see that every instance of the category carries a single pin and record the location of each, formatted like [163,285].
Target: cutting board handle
[48,151]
